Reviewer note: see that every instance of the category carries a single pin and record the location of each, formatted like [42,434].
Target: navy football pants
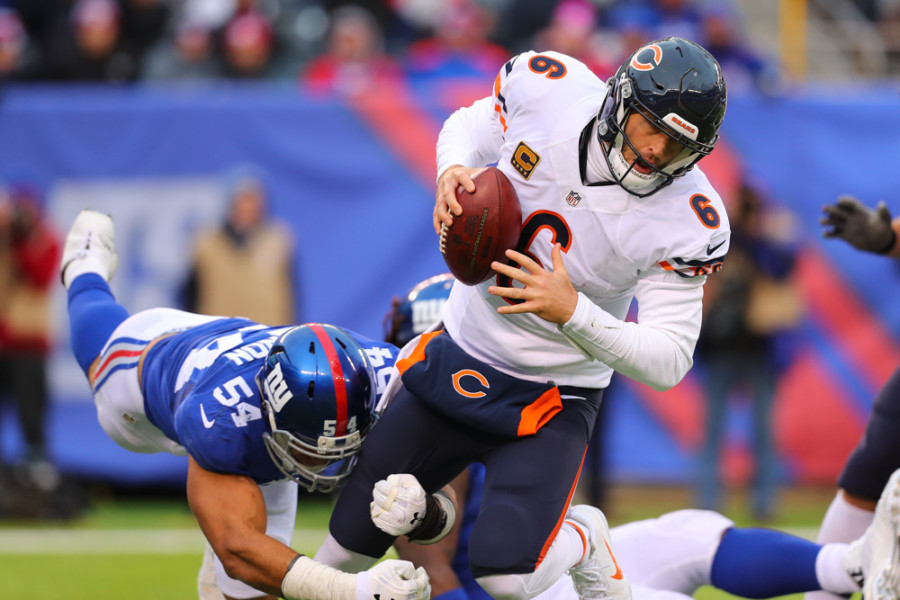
[878,453]
[527,487]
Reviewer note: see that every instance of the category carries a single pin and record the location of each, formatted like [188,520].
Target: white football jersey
[616,246]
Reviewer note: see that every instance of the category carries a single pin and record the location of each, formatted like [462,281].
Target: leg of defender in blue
[93,315]
[763,563]
[89,261]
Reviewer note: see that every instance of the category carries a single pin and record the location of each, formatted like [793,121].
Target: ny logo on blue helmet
[318,397]
[419,309]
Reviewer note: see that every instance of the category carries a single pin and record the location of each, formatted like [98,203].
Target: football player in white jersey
[613,210]
[256,409]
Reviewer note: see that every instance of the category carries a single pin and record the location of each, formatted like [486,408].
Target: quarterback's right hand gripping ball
[393,580]
[489,225]
[398,504]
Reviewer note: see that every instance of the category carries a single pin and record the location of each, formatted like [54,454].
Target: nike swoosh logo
[711,249]
[618,574]
[206,422]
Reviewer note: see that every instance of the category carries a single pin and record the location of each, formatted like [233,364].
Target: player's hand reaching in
[445,204]
[398,504]
[393,580]
[548,294]
[856,223]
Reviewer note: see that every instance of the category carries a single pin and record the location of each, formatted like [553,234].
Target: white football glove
[398,504]
[393,580]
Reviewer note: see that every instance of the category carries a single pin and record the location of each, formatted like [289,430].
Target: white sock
[80,266]
[830,570]
[843,523]
[567,550]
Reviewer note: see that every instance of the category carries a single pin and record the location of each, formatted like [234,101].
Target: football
[489,225]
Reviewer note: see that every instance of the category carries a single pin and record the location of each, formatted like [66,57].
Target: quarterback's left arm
[657,350]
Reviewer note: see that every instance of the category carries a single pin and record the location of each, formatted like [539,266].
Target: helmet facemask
[319,467]
[678,87]
[317,391]
[619,106]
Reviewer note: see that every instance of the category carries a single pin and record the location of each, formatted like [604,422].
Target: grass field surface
[151,550]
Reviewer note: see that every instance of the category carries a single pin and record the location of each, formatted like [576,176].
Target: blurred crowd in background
[345,46]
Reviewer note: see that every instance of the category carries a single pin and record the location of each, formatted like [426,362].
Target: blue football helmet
[318,397]
[679,87]
[419,309]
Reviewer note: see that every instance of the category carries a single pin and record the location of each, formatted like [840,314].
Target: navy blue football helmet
[676,85]
[419,309]
[318,397]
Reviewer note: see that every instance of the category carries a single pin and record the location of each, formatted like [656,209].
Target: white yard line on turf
[21,541]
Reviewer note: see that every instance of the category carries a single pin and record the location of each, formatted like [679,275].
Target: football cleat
[879,548]
[597,576]
[90,247]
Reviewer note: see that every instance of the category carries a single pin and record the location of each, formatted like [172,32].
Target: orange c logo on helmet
[640,65]
[470,373]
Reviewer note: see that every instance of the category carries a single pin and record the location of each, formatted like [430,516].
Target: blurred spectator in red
[459,46]
[188,56]
[29,255]
[90,49]
[743,67]
[247,44]
[572,30]
[355,58]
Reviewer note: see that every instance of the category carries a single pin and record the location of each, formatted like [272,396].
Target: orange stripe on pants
[562,517]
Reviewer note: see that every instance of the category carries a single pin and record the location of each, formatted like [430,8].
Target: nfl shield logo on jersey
[573,198]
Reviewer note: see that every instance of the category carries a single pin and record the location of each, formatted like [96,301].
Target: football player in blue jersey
[257,410]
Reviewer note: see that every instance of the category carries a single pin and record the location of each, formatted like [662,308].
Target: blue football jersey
[200,390]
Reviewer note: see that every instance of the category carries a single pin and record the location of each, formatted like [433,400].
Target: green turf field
[151,550]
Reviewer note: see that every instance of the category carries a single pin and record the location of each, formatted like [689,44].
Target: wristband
[440,514]
[307,579]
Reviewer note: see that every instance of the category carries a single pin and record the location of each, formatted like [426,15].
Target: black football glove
[856,223]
